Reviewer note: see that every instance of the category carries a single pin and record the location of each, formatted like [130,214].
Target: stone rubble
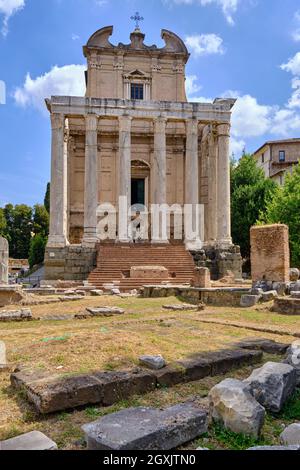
[269,295]
[147,428]
[96,293]
[232,404]
[180,307]
[272,385]
[153,362]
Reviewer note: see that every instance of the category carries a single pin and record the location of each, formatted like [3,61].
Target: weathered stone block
[249,300]
[266,345]
[268,296]
[105,311]
[34,440]
[146,428]
[4,256]
[233,406]
[16,315]
[293,358]
[153,362]
[272,448]
[270,255]
[272,385]
[286,306]
[291,435]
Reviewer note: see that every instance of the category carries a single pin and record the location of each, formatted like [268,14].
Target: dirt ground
[71,346]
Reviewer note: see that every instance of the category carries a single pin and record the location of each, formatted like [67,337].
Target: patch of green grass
[232,440]
[92,412]
[291,410]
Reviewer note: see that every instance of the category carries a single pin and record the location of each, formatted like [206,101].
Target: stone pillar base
[69,263]
[57,241]
[219,260]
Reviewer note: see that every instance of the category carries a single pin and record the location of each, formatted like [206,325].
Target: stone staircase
[114,262]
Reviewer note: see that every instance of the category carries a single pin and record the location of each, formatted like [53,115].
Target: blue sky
[249,49]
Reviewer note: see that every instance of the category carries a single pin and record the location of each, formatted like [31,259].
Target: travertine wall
[270,254]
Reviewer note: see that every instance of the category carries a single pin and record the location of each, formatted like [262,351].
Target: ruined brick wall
[270,254]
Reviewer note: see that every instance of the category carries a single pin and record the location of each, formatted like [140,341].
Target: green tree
[250,193]
[2,223]
[47,198]
[284,207]
[18,229]
[40,220]
[37,250]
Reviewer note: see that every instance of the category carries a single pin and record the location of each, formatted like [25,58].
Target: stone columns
[224,216]
[191,163]
[58,192]
[159,182]
[160,161]
[124,175]
[192,229]
[91,180]
[212,222]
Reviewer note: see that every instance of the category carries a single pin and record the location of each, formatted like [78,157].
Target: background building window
[137,91]
[282,156]
[263,158]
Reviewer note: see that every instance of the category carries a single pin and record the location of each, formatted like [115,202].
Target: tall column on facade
[192,181]
[124,175]
[160,161]
[159,181]
[212,222]
[224,215]
[91,180]
[58,193]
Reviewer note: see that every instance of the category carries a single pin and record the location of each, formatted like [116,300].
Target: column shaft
[58,191]
[224,213]
[191,163]
[91,180]
[160,162]
[124,175]
[212,222]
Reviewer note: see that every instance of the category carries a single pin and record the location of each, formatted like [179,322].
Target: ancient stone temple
[135,136]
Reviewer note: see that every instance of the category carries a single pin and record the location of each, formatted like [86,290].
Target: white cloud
[249,118]
[293,65]
[66,80]
[205,44]
[296,32]
[229,7]
[8,8]
[191,85]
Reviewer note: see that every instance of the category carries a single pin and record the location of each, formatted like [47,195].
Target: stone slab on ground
[34,440]
[232,404]
[272,385]
[249,300]
[266,345]
[96,292]
[105,311]
[147,428]
[291,435]
[275,448]
[152,362]
[180,307]
[57,393]
[207,364]
[16,315]
[70,298]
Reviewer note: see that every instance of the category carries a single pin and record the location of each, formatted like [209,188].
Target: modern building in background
[278,157]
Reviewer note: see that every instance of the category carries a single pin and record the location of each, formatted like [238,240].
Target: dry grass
[116,343]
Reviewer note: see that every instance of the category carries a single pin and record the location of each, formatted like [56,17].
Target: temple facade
[135,136]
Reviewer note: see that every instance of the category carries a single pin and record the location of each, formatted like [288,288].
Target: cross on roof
[137,18]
